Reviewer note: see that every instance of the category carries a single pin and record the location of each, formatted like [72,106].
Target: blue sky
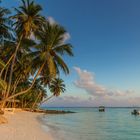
[106,39]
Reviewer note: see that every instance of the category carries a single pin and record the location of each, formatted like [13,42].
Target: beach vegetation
[32,51]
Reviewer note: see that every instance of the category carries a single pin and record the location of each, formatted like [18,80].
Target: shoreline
[23,125]
[48,111]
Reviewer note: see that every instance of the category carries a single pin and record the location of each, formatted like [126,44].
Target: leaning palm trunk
[36,100]
[25,91]
[13,63]
[16,84]
[47,99]
[4,94]
[6,64]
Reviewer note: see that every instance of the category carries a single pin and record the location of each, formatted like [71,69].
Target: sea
[90,124]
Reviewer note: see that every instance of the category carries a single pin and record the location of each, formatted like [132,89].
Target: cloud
[87,82]
[108,101]
[51,20]
[97,94]
[68,101]
[66,35]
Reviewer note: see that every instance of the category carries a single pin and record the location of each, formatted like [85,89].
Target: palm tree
[27,22]
[4,25]
[49,53]
[56,87]
[22,62]
[3,84]
[24,58]
[28,18]
[21,69]
[34,96]
[52,47]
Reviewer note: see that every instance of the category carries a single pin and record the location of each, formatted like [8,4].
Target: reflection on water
[89,124]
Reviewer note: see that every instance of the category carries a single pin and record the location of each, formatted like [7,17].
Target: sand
[23,126]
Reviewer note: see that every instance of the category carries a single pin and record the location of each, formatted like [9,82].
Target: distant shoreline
[93,107]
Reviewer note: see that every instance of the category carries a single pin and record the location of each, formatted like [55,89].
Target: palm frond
[60,63]
[64,49]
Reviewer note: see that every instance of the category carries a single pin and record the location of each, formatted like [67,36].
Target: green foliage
[3,84]
[38,48]
[57,86]
[52,48]
[2,64]
[5,23]
[27,18]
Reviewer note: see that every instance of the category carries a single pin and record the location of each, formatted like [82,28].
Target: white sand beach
[23,126]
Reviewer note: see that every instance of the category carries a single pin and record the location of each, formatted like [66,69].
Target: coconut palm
[3,84]
[49,53]
[21,69]
[52,48]
[56,87]
[34,96]
[22,62]
[28,18]
[27,21]
[26,66]
[4,25]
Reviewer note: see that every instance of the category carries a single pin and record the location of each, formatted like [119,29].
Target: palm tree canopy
[4,24]
[57,86]
[28,18]
[52,48]
[37,51]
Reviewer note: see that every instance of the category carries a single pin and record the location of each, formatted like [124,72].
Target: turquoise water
[89,124]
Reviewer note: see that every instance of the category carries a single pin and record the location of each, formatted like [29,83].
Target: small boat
[135,112]
[101,109]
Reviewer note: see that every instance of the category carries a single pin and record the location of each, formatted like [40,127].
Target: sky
[105,34]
